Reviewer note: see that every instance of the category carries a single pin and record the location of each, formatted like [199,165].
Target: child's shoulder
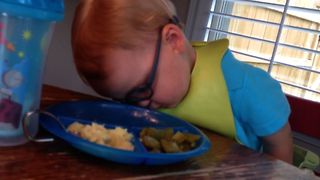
[244,71]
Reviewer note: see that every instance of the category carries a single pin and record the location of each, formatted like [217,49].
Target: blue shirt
[259,106]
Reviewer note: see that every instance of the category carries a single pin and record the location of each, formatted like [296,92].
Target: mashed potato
[116,138]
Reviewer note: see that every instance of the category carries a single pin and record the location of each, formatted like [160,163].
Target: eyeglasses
[145,91]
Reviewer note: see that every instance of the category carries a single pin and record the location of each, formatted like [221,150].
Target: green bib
[207,102]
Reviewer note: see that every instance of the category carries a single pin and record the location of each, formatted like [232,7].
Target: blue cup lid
[51,10]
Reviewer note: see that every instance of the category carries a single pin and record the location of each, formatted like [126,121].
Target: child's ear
[173,36]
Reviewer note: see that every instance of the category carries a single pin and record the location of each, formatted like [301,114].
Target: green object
[207,102]
[303,158]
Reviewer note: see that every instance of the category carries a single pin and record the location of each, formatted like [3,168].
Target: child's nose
[154,105]
[145,103]
[149,104]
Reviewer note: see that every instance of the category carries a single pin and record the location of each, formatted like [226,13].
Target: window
[279,36]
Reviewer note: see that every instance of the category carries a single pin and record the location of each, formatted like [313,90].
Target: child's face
[171,79]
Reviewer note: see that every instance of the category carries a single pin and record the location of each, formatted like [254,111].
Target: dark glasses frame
[145,91]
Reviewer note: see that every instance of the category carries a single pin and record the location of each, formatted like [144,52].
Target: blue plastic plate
[130,117]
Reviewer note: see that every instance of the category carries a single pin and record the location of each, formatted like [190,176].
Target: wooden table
[58,160]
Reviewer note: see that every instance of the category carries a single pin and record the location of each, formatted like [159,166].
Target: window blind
[282,37]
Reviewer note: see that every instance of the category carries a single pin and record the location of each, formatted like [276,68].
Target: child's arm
[280,144]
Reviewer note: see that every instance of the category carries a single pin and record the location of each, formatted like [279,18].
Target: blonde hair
[100,25]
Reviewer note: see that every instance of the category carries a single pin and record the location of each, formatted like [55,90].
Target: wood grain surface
[58,160]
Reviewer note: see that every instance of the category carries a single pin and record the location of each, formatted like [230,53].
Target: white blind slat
[221,14]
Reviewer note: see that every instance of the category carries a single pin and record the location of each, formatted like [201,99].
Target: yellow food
[116,138]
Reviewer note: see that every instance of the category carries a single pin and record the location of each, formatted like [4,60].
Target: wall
[59,69]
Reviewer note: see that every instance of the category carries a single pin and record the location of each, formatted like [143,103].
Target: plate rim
[205,145]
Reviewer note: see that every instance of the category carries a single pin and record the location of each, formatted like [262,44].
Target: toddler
[135,51]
